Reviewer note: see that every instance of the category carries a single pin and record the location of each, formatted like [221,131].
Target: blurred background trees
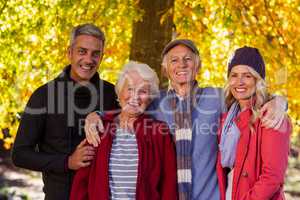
[34,37]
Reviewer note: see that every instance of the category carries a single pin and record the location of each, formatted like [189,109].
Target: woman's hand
[93,125]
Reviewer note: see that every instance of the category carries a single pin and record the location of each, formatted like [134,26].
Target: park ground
[21,184]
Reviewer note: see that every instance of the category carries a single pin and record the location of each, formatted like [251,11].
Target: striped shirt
[123,166]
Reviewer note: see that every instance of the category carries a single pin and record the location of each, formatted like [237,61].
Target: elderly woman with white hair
[136,158]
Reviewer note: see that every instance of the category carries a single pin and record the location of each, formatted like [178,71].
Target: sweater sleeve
[169,176]
[274,152]
[25,152]
[79,189]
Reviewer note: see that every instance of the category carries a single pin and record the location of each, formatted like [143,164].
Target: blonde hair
[260,97]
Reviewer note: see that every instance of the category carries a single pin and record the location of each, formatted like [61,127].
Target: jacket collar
[194,86]
[65,76]
[139,124]
[242,119]
[80,90]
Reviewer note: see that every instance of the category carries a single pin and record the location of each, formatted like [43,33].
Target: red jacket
[157,175]
[261,161]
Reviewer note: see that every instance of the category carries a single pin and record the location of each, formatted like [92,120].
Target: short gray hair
[164,63]
[144,71]
[87,29]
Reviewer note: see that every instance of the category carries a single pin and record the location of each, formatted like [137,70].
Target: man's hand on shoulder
[273,112]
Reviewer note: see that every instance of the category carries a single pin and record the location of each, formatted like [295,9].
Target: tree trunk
[152,33]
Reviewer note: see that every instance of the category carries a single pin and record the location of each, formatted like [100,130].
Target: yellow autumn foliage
[34,37]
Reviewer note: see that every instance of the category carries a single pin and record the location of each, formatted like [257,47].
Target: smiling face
[181,65]
[242,83]
[85,56]
[134,96]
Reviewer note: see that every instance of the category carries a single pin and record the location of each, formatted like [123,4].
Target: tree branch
[3,7]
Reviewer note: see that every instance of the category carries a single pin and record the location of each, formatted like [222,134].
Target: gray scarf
[229,137]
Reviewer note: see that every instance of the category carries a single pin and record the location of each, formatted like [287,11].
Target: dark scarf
[183,138]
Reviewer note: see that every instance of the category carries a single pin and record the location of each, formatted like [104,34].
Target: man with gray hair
[50,137]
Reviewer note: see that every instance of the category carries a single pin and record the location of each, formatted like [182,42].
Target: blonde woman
[252,159]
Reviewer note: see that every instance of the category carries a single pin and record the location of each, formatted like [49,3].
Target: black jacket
[52,126]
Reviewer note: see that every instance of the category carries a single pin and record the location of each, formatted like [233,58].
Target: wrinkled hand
[93,124]
[82,156]
[273,112]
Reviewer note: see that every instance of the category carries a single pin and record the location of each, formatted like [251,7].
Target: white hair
[144,71]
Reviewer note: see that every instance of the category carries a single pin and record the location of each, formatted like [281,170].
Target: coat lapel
[242,121]
[100,168]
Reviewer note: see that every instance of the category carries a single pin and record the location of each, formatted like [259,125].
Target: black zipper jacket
[52,126]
